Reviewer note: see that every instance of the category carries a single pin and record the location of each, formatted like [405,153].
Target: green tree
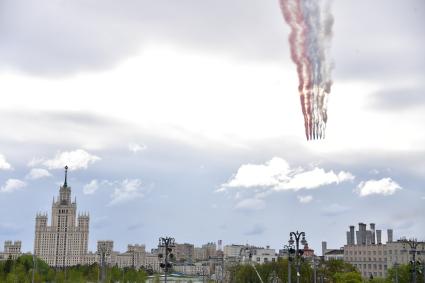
[404,274]
[379,280]
[8,265]
[347,277]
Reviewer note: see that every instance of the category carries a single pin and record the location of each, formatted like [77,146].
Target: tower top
[66,176]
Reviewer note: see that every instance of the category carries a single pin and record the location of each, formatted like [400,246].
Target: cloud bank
[38,173]
[384,186]
[278,175]
[12,185]
[75,160]
[4,165]
[127,190]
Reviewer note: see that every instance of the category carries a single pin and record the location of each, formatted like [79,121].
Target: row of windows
[366,252]
[369,266]
[366,259]
[375,274]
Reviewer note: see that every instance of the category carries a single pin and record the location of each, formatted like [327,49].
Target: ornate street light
[298,252]
[167,244]
[104,249]
[413,244]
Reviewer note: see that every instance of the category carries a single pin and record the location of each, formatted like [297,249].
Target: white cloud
[77,159]
[91,187]
[384,186]
[35,161]
[4,165]
[305,199]
[12,185]
[252,175]
[135,148]
[251,204]
[278,175]
[314,178]
[38,173]
[127,190]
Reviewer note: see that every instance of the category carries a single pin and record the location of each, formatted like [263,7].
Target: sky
[182,119]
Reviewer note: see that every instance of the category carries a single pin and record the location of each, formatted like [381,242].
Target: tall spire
[66,175]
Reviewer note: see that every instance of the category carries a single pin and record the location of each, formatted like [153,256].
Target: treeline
[22,270]
[333,271]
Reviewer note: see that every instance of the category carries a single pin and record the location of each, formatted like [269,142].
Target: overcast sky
[182,118]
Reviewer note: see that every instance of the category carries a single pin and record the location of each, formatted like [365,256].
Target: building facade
[65,241]
[373,258]
[11,250]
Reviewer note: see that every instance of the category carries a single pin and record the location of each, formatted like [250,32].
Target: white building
[192,269]
[233,251]
[371,257]
[258,254]
[11,250]
[63,242]
[246,252]
[336,254]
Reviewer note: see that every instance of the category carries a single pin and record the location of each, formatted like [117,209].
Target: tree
[8,265]
[347,277]
[404,273]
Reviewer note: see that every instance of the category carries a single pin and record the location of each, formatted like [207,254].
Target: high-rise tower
[65,241]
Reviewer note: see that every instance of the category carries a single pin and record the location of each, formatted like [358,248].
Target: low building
[258,254]
[184,252]
[192,269]
[373,258]
[334,254]
[152,262]
[233,251]
[11,250]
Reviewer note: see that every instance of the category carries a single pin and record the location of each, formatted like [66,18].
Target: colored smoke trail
[311,32]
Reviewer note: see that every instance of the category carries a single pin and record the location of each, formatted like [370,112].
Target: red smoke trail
[293,15]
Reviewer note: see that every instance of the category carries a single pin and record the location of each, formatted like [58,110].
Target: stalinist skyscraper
[64,242]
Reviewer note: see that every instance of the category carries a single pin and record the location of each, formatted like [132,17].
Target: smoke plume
[311,32]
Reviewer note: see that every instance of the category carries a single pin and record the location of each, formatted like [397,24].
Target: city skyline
[65,198]
[183,120]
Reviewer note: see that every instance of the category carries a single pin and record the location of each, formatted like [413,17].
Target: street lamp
[290,250]
[104,249]
[298,252]
[167,244]
[413,244]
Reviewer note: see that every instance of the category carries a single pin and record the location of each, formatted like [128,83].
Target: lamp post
[104,249]
[298,253]
[413,244]
[290,250]
[167,244]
